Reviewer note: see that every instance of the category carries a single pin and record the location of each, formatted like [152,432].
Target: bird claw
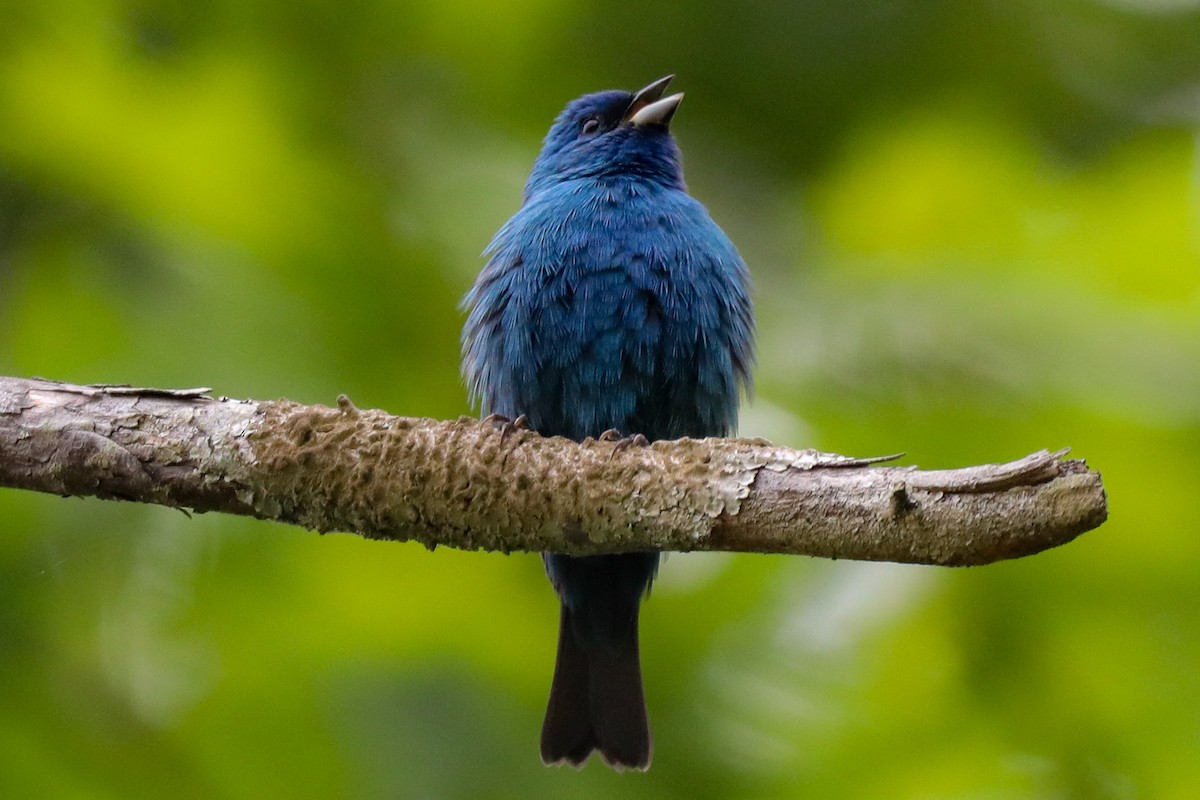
[507,426]
[623,442]
[637,440]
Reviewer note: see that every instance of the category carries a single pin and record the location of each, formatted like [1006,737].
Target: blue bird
[610,300]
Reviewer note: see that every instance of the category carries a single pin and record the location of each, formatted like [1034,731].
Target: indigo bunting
[610,300]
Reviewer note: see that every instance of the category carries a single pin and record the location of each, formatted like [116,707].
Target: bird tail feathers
[596,703]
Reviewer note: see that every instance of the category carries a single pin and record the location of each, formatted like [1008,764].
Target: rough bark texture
[469,485]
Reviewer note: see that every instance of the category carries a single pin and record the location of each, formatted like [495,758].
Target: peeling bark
[468,485]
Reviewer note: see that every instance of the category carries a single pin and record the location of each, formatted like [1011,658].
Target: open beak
[649,107]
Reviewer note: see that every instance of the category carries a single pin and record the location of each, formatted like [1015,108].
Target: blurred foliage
[974,230]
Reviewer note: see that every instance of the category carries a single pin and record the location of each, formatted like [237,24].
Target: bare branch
[468,485]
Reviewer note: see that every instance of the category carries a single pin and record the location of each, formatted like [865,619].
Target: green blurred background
[974,232]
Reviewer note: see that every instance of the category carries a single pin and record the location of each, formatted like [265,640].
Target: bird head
[612,133]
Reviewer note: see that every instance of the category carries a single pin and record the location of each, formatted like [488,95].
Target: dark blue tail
[596,698]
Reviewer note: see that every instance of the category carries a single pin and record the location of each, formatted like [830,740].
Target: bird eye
[591,125]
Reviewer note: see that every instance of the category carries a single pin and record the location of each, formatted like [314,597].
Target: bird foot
[623,442]
[507,426]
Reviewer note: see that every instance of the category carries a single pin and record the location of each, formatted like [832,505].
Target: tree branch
[468,485]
